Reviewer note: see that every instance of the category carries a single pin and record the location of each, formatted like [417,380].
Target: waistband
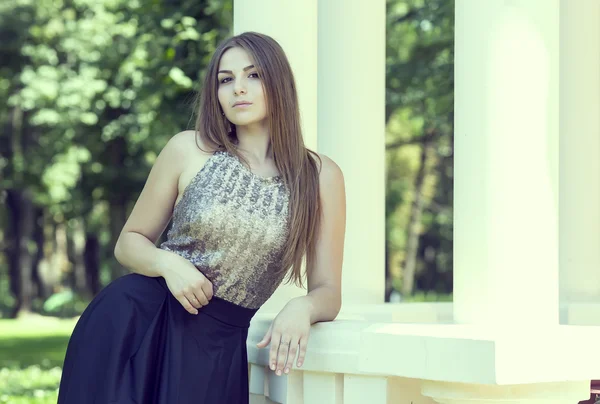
[228,312]
[222,310]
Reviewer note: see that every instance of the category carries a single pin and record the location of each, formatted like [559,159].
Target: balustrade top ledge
[494,355]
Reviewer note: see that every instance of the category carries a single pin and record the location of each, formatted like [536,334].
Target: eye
[227,78]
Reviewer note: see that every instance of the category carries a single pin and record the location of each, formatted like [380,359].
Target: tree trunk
[52,264]
[118,217]
[388,276]
[389,279]
[117,207]
[414,225]
[91,258]
[41,289]
[77,241]
[21,249]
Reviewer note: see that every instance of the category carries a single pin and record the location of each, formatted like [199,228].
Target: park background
[92,90]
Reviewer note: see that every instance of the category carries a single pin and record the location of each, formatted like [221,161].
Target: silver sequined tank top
[232,225]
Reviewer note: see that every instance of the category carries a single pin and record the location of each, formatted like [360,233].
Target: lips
[243,103]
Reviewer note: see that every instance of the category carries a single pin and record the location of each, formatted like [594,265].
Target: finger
[291,355]
[284,347]
[302,353]
[201,298]
[207,289]
[191,298]
[186,304]
[266,339]
[198,292]
[275,339]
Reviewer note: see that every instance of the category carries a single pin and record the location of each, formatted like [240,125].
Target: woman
[250,203]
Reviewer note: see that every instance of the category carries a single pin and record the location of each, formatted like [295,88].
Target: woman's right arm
[136,247]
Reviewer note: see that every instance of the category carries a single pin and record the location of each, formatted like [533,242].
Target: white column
[323,388]
[506,162]
[351,104]
[351,114]
[580,152]
[359,389]
[293,24]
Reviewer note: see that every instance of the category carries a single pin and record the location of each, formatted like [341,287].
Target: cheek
[261,95]
[220,97]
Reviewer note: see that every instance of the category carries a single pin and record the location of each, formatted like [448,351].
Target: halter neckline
[274,178]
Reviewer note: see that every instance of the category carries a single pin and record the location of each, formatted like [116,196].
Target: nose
[239,88]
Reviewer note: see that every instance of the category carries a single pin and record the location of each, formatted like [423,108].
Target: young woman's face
[239,81]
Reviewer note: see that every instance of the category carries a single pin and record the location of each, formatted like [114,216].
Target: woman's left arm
[290,329]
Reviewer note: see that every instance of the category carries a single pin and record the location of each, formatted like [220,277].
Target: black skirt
[135,343]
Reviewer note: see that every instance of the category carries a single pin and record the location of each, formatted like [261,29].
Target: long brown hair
[292,158]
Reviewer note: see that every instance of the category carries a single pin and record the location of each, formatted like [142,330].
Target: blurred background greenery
[92,90]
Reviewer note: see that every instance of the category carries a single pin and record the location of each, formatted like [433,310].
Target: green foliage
[58,300]
[419,111]
[85,74]
[92,91]
[430,297]
[32,351]
[29,385]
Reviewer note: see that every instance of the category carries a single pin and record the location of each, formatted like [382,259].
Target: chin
[247,122]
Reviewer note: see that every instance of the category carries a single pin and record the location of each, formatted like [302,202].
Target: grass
[32,351]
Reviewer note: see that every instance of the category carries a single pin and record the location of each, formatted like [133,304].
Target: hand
[290,329]
[189,286]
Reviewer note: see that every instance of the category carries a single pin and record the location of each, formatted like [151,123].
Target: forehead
[235,58]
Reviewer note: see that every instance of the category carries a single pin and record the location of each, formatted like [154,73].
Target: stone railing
[412,353]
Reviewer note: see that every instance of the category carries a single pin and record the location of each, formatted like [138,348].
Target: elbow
[118,250]
[336,310]
[333,302]
[337,299]
[335,306]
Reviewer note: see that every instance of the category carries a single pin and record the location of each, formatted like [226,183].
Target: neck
[254,143]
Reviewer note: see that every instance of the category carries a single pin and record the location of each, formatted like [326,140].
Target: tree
[419,110]
[94,90]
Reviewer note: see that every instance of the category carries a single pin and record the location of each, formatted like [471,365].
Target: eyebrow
[230,72]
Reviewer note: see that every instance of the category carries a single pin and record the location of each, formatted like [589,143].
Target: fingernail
[278,372]
[299,363]
[287,370]
[272,366]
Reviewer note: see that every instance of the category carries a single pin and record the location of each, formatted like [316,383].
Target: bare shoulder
[153,208]
[187,143]
[329,171]
[194,155]
[190,153]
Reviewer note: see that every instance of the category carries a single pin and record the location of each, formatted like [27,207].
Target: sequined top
[232,225]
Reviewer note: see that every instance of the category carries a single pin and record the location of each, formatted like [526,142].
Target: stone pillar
[506,162]
[350,100]
[579,154]
[294,25]
[351,115]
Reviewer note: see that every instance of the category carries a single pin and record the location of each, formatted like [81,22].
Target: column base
[541,393]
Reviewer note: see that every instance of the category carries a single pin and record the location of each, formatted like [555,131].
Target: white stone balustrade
[402,361]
